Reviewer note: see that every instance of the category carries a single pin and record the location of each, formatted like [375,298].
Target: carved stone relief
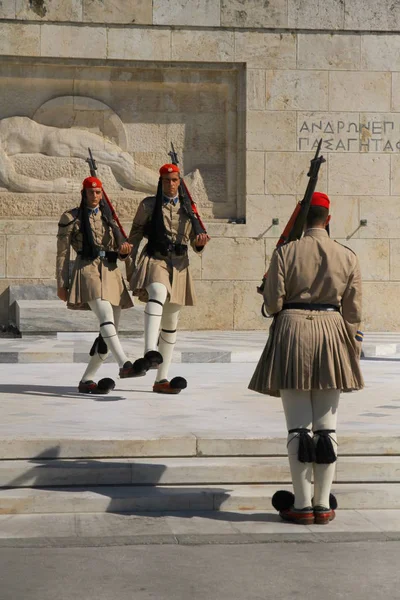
[128,117]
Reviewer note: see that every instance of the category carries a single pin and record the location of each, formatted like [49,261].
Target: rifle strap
[194,208]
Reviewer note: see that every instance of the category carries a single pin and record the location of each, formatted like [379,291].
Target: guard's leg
[152,319]
[325,407]
[167,340]
[298,413]
[104,312]
[98,354]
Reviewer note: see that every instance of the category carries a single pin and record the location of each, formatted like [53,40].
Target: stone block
[253,13]
[139,44]
[19,40]
[286,173]
[327,51]
[28,226]
[255,89]
[247,304]
[297,90]
[263,49]
[214,308]
[30,256]
[261,209]
[395,175]
[212,46]
[379,132]
[316,14]
[239,259]
[56,10]
[271,130]
[2,256]
[345,213]
[25,87]
[374,257]
[73,41]
[359,174]
[7,10]
[372,16]
[395,91]
[383,215]
[255,172]
[380,52]
[370,469]
[339,131]
[394,260]
[25,291]
[147,133]
[380,300]
[5,295]
[52,316]
[187,12]
[359,91]
[139,12]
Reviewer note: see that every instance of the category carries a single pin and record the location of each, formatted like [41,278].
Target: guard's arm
[351,306]
[141,218]
[64,235]
[274,290]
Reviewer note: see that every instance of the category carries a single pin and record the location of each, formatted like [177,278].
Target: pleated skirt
[97,279]
[173,272]
[307,350]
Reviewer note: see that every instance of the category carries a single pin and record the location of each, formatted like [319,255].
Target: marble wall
[245,91]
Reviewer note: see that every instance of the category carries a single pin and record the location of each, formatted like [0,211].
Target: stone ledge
[178,498]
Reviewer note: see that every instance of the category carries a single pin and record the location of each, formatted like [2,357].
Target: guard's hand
[125,248]
[62,293]
[202,239]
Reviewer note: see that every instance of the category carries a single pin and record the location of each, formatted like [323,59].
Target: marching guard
[162,278]
[96,282]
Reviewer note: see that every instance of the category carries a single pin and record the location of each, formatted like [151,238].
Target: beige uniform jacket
[90,279]
[312,349]
[172,270]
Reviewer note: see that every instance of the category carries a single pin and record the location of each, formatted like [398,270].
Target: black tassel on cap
[306,451]
[324,450]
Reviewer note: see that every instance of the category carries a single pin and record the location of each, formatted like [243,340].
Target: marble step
[350,444]
[177,498]
[185,471]
[41,317]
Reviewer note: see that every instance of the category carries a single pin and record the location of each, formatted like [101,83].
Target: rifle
[295,226]
[186,199]
[93,169]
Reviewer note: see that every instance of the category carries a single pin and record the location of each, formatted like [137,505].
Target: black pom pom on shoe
[282,500]
[105,385]
[178,383]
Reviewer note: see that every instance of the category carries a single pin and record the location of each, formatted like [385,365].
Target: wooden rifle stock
[295,226]
[93,172]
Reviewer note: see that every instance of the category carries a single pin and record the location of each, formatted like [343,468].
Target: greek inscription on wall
[350,132]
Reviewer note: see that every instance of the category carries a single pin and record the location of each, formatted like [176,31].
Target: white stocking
[152,314]
[97,359]
[325,405]
[298,413]
[167,340]
[105,314]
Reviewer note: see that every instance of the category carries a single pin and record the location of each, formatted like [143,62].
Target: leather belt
[178,249]
[307,306]
[103,254]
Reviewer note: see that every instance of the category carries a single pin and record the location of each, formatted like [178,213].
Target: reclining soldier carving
[22,135]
